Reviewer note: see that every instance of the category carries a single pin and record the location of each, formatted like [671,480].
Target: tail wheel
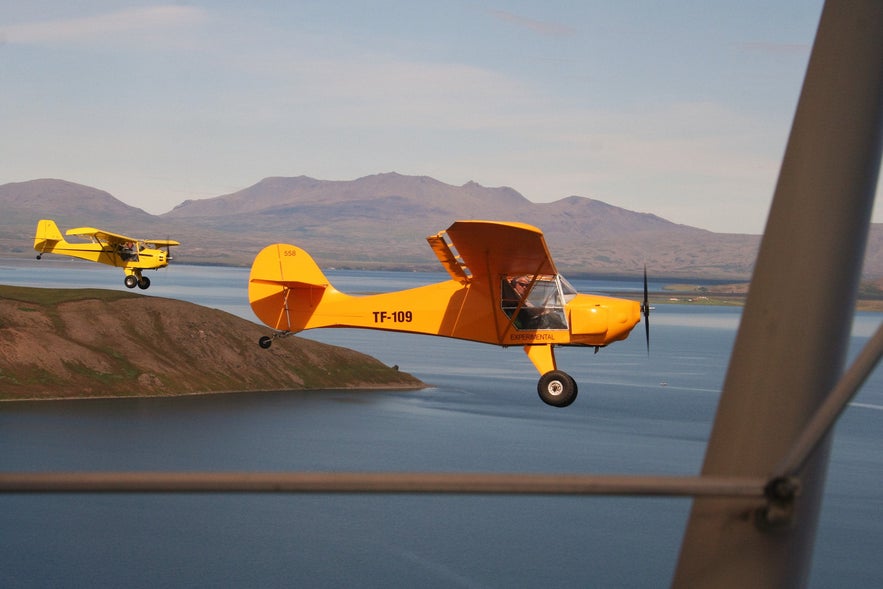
[557,388]
[131,281]
[265,342]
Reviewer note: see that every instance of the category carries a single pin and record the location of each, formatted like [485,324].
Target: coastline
[392,388]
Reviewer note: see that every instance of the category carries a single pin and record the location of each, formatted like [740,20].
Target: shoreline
[390,388]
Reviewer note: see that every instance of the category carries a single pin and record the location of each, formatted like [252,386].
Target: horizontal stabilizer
[287,283]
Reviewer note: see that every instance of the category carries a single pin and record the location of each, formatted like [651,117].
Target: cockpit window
[567,289]
[535,302]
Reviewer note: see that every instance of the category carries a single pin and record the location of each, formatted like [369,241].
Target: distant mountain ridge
[388,195]
[20,200]
[381,221]
[281,193]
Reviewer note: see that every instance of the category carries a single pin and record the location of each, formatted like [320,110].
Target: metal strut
[835,403]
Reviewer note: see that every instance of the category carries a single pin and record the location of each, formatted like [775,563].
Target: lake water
[634,414]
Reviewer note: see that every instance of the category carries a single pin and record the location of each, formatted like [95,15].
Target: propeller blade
[646,309]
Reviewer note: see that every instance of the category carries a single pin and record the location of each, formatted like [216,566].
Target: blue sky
[681,109]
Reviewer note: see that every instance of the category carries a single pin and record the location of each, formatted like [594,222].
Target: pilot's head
[520,284]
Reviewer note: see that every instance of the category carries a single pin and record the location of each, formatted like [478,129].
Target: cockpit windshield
[567,289]
[535,301]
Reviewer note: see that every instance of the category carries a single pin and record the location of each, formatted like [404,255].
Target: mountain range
[381,222]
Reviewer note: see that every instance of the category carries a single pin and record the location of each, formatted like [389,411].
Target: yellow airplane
[132,255]
[504,290]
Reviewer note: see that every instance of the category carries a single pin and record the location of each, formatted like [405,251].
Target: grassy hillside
[65,343]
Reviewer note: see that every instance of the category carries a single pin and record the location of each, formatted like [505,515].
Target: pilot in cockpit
[538,308]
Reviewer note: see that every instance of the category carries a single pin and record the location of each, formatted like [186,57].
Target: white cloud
[541,27]
[90,28]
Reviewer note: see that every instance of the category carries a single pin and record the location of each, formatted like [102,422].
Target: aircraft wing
[103,236]
[116,238]
[491,248]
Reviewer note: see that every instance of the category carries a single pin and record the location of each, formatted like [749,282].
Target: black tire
[144,283]
[131,281]
[557,388]
[265,342]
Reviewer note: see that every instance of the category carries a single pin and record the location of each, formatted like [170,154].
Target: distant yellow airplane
[504,290]
[130,254]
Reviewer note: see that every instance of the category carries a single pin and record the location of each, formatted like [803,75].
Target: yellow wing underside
[488,249]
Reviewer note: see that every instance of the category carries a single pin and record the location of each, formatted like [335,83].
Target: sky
[680,109]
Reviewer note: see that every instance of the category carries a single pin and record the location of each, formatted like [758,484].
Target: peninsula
[76,343]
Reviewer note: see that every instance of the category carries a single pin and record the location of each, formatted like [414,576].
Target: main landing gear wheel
[144,283]
[557,388]
[131,281]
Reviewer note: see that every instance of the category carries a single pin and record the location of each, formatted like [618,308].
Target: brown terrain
[98,343]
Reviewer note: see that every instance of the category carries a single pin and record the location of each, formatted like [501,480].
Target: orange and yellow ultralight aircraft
[504,290]
[132,255]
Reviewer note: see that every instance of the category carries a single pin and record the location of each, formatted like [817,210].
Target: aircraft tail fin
[285,287]
[47,235]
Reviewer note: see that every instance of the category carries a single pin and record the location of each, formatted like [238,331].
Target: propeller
[645,309]
[168,249]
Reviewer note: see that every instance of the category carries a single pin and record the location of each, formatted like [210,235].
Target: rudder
[285,286]
[47,235]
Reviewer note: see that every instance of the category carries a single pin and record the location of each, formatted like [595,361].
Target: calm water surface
[634,415]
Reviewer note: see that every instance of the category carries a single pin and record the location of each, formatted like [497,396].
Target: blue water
[634,414]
